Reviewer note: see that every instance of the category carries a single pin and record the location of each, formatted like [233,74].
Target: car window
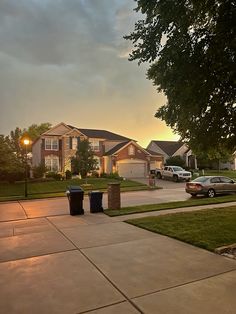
[178,169]
[200,179]
[225,180]
[215,180]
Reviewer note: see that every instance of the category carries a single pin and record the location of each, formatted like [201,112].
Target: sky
[67,61]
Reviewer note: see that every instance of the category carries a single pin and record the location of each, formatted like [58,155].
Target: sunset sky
[67,61]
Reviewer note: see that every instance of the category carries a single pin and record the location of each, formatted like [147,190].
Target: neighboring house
[114,153]
[230,165]
[172,148]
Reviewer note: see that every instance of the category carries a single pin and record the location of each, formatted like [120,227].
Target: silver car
[210,186]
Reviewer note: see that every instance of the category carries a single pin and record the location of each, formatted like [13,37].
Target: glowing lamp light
[26,141]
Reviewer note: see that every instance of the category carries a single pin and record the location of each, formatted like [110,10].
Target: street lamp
[26,143]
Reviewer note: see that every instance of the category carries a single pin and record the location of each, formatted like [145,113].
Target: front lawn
[208,229]
[171,205]
[226,173]
[58,188]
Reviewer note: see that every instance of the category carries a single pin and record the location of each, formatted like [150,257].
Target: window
[94,145]
[74,143]
[52,163]
[215,180]
[226,180]
[131,150]
[67,143]
[51,144]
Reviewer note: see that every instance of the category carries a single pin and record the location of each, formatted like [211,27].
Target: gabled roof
[151,152]
[116,148]
[169,147]
[93,133]
[120,146]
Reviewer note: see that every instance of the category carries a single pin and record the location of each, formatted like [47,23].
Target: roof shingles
[93,133]
[169,147]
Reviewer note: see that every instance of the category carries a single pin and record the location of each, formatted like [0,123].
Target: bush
[12,177]
[113,175]
[39,171]
[56,176]
[94,174]
[68,175]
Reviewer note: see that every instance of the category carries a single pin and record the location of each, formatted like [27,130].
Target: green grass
[170,205]
[208,229]
[58,188]
[226,173]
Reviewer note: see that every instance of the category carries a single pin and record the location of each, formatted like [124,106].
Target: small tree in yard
[175,161]
[84,161]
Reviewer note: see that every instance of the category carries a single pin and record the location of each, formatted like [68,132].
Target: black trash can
[75,196]
[95,198]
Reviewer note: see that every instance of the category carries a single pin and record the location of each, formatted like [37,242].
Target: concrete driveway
[57,263]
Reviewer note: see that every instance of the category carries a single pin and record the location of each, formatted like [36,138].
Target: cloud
[67,59]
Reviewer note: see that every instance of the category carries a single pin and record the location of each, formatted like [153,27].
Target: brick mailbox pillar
[114,195]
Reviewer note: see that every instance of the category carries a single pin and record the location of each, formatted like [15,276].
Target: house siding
[124,154]
[152,146]
[36,153]
[58,130]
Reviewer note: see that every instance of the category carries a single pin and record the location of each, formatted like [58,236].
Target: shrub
[56,176]
[94,174]
[68,175]
[39,171]
[113,175]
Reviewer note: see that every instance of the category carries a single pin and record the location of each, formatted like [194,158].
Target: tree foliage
[32,133]
[84,161]
[35,130]
[191,45]
[12,167]
[175,161]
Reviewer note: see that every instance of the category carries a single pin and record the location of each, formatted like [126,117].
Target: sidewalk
[57,263]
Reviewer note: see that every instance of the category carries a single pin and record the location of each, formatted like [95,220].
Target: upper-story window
[131,150]
[94,145]
[67,141]
[51,144]
[74,143]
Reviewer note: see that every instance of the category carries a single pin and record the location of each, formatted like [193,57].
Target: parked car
[175,173]
[210,186]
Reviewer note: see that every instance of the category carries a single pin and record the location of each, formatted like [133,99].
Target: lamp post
[26,143]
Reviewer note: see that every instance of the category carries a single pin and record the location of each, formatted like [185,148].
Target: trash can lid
[74,188]
[94,192]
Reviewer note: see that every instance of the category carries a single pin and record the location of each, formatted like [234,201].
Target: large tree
[32,133]
[12,167]
[84,161]
[191,45]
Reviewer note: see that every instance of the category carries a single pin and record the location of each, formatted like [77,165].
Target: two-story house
[114,153]
[174,148]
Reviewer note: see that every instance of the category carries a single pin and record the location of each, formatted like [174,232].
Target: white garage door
[132,170]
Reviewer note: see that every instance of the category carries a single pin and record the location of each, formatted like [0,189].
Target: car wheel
[159,175]
[211,193]
[176,178]
[193,194]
